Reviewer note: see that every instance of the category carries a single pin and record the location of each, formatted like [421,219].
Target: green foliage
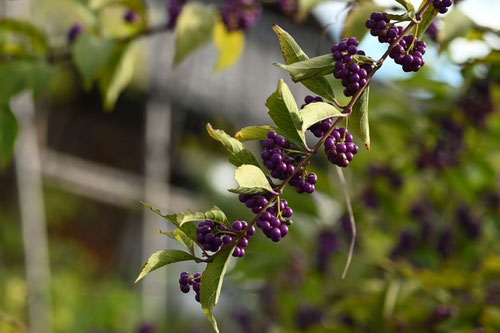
[239,155]
[429,16]
[314,112]
[358,120]
[311,68]
[193,29]
[284,112]
[253,133]
[162,258]
[90,54]
[407,5]
[36,38]
[251,179]
[182,238]
[211,283]
[292,53]
[117,73]
[8,133]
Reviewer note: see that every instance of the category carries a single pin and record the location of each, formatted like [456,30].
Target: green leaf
[8,133]
[311,68]
[292,53]
[314,112]
[407,5]
[19,75]
[239,154]
[118,72]
[254,133]
[185,221]
[194,28]
[162,258]
[355,22]
[14,78]
[429,16]
[358,120]
[91,54]
[211,283]
[42,73]
[251,180]
[182,238]
[284,112]
[35,36]
[230,45]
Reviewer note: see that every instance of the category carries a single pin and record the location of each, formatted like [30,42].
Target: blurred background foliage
[426,197]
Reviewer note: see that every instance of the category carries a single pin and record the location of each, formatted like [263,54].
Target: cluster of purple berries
[255,203]
[353,75]
[321,127]
[186,280]
[212,236]
[209,235]
[273,221]
[304,183]
[239,226]
[409,53]
[340,148]
[274,157]
[442,5]
[379,25]
[174,10]
[241,14]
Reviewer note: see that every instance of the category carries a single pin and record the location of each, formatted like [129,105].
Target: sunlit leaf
[193,29]
[239,154]
[314,112]
[230,45]
[251,179]
[284,112]
[253,133]
[292,53]
[118,72]
[182,238]
[311,68]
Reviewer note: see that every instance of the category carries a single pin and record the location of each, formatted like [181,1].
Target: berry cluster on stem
[186,281]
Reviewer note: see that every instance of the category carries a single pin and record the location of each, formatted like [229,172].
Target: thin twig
[351,219]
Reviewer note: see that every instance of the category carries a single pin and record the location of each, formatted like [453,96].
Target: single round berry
[131,16]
